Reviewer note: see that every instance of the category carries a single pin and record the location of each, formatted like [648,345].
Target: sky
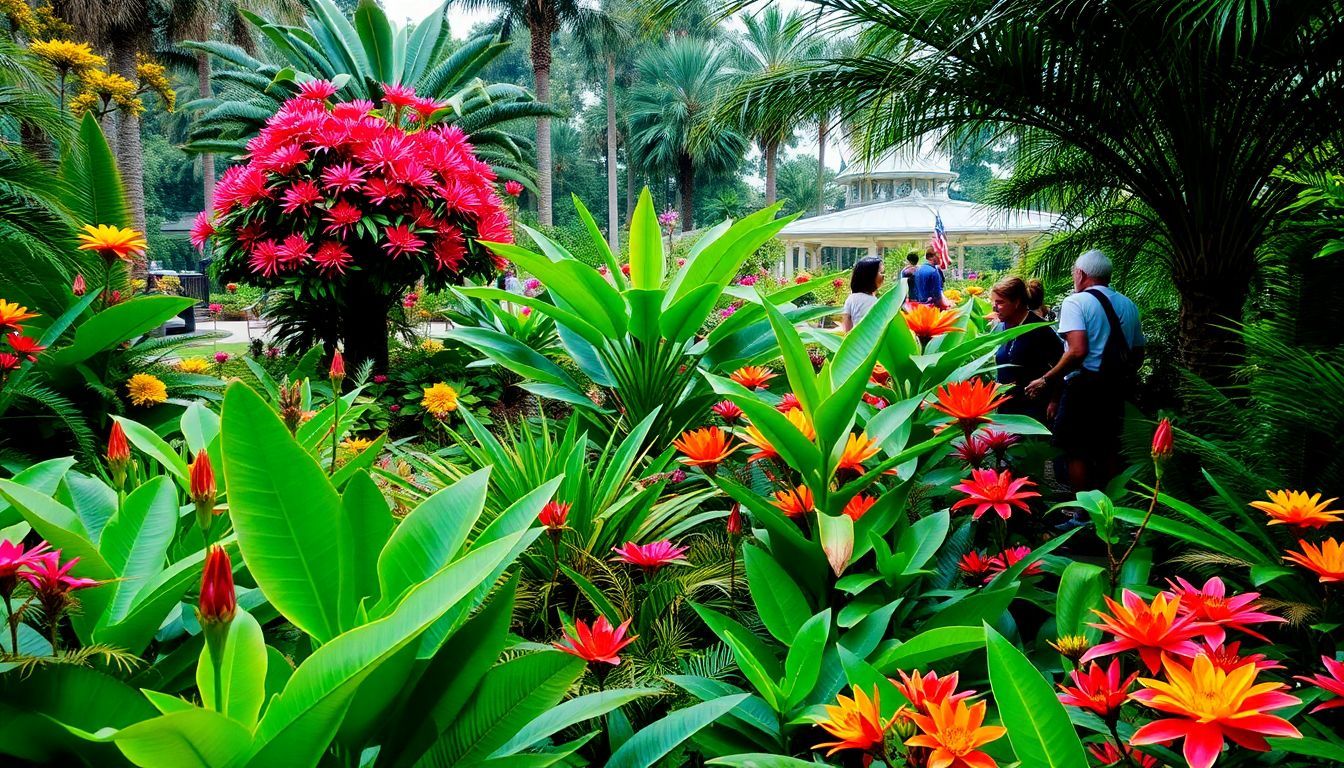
[461,21]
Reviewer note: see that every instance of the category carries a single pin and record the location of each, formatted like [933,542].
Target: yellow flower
[85,102]
[11,314]
[356,444]
[952,295]
[1298,509]
[431,345]
[153,76]
[440,400]
[19,15]
[108,85]
[112,242]
[193,365]
[146,389]
[67,56]
[975,290]
[856,723]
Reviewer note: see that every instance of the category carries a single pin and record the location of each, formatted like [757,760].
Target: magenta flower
[650,557]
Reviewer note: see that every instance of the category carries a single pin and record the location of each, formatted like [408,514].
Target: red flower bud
[218,601]
[79,288]
[554,515]
[118,453]
[735,520]
[337,366]
[203,479]
[1162,441]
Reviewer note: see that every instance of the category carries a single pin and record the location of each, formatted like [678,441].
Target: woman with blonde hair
[1025,357]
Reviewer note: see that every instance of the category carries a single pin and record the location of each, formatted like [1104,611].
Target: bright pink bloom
[1098,690]
[988,489]
[997,441]
[650,557]
[924,692]
[265,257]
[1211,604]
[597,643]
[726,410]
[201,230]
[788,403]
[972,451]
[49,578]
[1010,557]
[399,95]
[400,239]
[14,557]
[221,357]
[317,90]
[343,177]
[513,188]
[341,216]
[1151,629]
[79,287]
[294,251]
[1332,682]
[331,256]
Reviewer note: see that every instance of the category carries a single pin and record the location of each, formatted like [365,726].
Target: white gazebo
[892,203]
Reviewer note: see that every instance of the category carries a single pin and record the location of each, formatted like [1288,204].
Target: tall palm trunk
[203,73]
[686,186]
[541,72]
[771,151]
[821,163]
[130,154]
[1212,302]
[613,208]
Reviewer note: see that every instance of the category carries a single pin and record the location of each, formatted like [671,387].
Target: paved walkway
[240,334]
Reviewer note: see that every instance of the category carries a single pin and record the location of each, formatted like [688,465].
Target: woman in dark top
[1025,357]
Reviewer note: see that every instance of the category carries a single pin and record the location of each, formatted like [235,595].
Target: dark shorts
[1088,422]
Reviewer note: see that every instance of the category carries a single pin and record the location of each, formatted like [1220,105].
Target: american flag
[939,242]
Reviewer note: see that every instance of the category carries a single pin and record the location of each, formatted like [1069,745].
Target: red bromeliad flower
[51,580]
[880,376]
[927,691]
[727,410]
[969,402]
[1012,556]
[753,376]
[219,602]
[997,441]
[858,506]
[399,95]
[1211,705]
[735,526]
[1108,754]
[600,642]
[650,557]
[80,287]
[1227,657]
[25,346]
[14,557]
[975,565]
[796,502]
[401,240]
[1332,683]
[554,515]
[1211,604]
[1098,690]
[118,449]
[988,489]
[331,257]
[972,451]
[513,188]
[878,403]
[788,403]
[337,370]
[1151,629]
[9,362]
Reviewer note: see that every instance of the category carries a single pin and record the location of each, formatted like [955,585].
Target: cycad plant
[362,56]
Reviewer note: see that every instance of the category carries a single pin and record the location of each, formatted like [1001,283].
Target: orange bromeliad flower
[1297,509]
[927,691]
[858,449]
[704,448]
[764,449]
[112,242]
[1150,629]
[1211,705]
[753,376]
[857,723]
[796,502]
[1326,561]
[858,506]
[987,489]
[11,314]
[969,402]
[955,732]
[927,321]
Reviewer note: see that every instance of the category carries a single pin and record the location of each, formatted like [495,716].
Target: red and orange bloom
[855,723]
[788,403]
[705,448]
[219,602]
[727,410]
[753,376]
[203,492]
[969,402]
[880,375]
[554,515]
[25,346]
[1107,754]
[1211,604]
[955,732]
[1298,509]
[600,642]
[1211,705]
[975,565]
[112,242]
[927,321]
[118,453]
[858,449]
[1227,657]
[1326,561]
[796,502]
[764,448]
[11,315]
[1150,629]
[878,403]
[858,506]
[998,441]
[927,691]
[1332,683]
[337,371]
[988,489]
[1098,690]
[650,557]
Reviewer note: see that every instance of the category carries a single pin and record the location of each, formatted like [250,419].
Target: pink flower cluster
[328,186]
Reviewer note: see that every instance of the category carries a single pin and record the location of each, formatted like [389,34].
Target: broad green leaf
[430,535]
[368,521]
[40,719]
[155,447]
[1081,587]
[655,741]
[571,713]
[762,760]
[242,675]
[976,608]
[803,664]
[376,35]
[595,596]
[285,512]
[930,646]
[200,426]
[43,477]
[1038,725]
[647,263]
[135,541]
[779,601]
[192,738]
[118,323]
[93,188]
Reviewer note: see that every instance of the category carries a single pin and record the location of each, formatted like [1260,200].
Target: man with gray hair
[1103,349]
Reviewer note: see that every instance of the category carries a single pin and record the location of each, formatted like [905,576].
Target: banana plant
[640,339]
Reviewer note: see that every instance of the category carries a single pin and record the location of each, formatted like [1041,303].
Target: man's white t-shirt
[857,305]
[1082,312]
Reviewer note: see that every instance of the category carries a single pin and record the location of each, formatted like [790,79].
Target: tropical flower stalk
[52,583]
[118,454]
[1161,452]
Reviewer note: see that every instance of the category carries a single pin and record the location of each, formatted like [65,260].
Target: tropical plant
[369,52]
[672,122]
[1191,184]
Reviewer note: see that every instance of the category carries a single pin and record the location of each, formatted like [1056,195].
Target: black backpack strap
[1117,332]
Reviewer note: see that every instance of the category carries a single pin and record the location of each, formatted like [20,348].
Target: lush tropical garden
[538,458]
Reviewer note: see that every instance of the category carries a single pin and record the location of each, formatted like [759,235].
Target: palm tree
[673,103]
[1163,124]
[773,41]
[543,19]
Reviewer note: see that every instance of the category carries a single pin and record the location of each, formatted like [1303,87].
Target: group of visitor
[1074,378]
